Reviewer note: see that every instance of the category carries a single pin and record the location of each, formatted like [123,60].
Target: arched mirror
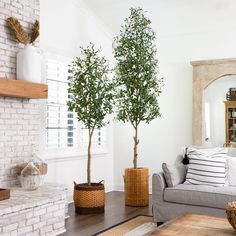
[210,112]
[219,125]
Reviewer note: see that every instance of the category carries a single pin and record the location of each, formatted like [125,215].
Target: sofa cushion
[200,195]
[207,167]
[174,174]
[206,151]
[231,170]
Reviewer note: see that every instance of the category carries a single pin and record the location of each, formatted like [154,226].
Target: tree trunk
[89,157]
[136,142]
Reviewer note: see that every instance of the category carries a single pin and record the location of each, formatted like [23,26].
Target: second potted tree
[91,96]
[137,91]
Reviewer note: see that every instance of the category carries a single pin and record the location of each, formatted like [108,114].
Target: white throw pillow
[206,152]
[231,170]
[206,167]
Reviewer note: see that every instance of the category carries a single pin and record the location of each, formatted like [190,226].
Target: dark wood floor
[115,212]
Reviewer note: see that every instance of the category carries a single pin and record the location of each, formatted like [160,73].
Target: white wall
[65,26]
[187,31]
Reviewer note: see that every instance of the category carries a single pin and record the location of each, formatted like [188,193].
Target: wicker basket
[231,213]
[136,187]
[89,199]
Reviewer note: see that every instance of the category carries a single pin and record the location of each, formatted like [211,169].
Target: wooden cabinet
[230,123]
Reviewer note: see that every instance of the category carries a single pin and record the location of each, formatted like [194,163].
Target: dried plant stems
[21,35]
[35,31]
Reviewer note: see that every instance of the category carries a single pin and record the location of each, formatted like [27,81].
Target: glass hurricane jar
[40,164]
[30,177]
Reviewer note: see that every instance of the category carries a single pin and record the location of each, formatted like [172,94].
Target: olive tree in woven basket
[138,85]
[90,93]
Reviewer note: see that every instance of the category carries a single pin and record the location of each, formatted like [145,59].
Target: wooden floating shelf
[22,89]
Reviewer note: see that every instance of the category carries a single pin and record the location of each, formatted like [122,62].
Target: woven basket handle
[102,182]
[75,183]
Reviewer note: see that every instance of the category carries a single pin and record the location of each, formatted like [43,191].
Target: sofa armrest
[158,187]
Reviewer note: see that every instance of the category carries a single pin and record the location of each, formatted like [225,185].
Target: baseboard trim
[118,187]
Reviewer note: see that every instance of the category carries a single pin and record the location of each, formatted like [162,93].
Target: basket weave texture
[89,197]
[231,213]
[136,187]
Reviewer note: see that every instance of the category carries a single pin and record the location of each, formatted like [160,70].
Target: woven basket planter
[231,213]
[89,199]
[136,187]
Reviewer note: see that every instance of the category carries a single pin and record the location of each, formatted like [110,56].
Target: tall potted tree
[137,94]
[91,97]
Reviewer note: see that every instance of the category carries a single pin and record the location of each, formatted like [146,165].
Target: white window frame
[69,153]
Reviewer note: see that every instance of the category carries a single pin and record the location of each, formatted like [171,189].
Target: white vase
[29,64]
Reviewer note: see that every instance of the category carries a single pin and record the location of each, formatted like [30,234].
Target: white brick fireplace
[40,212]
[20,119]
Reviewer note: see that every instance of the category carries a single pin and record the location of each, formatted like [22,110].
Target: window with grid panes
[62,128]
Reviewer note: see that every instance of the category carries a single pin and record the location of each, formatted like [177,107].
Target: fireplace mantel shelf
[22,89]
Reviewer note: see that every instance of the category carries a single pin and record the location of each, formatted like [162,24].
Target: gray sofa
[170,202]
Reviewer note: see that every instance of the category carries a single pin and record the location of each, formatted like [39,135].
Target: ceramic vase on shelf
[30,177]
[29,64]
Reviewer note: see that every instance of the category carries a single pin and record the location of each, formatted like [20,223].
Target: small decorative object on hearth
[38,162]
[29,58]
[231,94]
[41,166]
[137,91]
[231,213]
[30,177]
[4,194]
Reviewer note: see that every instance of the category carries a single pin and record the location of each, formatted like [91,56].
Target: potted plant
[91,97]
[137,91]
[28,58]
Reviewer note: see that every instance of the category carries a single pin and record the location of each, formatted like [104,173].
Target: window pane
[61,124]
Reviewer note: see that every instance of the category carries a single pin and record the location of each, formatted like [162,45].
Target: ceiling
[169,17]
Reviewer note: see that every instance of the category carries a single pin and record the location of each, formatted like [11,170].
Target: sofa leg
[159,223]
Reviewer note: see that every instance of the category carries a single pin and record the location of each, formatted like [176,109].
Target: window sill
[50,157]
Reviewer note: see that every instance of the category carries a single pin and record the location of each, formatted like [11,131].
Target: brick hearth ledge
[38,212]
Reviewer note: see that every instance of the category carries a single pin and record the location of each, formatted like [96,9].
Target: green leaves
[90,89]
[136,70]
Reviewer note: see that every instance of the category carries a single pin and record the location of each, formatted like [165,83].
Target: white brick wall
[35,213]
[20,128]
[20,119]
[26,11]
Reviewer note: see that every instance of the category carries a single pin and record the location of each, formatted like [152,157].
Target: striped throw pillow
[205,169]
